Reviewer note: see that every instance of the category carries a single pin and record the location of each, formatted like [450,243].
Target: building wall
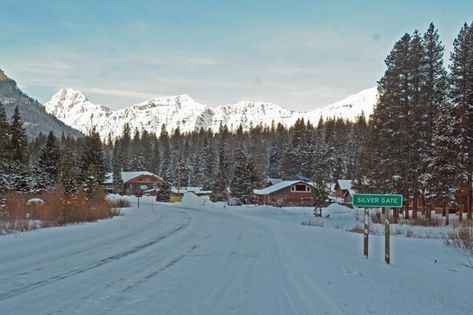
[134,185]
[286,197]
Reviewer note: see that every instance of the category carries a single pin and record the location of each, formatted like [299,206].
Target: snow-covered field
[197,257]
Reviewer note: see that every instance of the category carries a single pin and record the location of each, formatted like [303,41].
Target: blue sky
[299,54]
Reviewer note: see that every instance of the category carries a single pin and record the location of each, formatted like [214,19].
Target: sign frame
[378,200]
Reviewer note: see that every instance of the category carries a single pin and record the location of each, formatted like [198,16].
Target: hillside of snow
[74,109]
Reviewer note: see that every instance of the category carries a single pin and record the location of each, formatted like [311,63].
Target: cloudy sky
[300,54]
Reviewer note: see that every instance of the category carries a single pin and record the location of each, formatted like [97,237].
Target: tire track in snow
[159,270]
[80,270]
[19,268]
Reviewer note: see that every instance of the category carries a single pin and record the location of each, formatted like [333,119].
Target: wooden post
[366,233]
[387,235]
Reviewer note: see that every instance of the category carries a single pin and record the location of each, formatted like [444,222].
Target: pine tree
[4,137]
[163,192]
[19,141]
[274,160]
[4,156]
[444,176]
[137,158]
[91,165]
[117,167]
[156,159]
[433,96]
[461,94]
[67,171]
[245,177]
[166,167]
[393,121]
[125,148]
[49,159]
[320,192]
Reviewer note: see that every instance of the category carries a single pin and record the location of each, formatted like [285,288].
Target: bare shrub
[311,222]
[422,221]
[357,228]
[59,208]
[376,218]
[461,237]
[9,224]
[120,203]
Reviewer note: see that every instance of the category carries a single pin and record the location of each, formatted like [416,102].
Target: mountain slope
[73,108]
[36,119]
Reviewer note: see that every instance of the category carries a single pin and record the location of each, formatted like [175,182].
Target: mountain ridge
[73,108]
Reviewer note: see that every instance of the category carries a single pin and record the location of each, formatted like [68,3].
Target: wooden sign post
[377,201]
[366,232]
[387,235]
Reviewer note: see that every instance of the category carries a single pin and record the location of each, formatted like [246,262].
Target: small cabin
[138,182]
[344,191]
[286,193]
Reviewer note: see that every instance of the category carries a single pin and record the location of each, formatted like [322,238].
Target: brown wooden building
[344,191]
[286,193]
[139,182]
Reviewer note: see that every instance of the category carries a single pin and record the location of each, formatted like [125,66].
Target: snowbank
[337,209]
[191,200]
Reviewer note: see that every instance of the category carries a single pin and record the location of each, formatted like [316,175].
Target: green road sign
[377,201]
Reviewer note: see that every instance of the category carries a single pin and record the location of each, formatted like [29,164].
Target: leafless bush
[461,237]
[360,228]
[422,221]
[376,218]
[120,203]
[9,224]
[58,208]
[357,228]
[311,222]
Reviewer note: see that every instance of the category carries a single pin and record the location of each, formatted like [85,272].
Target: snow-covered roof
[279,186]
[126,176]
[345,183]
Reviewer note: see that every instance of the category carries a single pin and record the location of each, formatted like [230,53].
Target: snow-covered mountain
[35,119]
[73,108]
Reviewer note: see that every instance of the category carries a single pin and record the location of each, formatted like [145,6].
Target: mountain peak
[71,95]
[3,76]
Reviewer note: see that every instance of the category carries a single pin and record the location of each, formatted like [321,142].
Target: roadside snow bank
[337,209]
[193,201]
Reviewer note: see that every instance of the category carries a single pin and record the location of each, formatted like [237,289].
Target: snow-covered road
[175,260]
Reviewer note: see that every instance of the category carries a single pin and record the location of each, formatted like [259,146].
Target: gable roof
[345,184]
[126,176]
[279,186]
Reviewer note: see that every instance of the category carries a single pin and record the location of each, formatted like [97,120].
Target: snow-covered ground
[198,257]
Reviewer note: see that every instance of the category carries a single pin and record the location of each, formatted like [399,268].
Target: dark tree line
[236,162]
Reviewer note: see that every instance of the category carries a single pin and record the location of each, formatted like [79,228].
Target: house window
[301,188]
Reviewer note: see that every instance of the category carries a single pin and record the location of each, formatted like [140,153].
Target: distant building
[137,182]
[344,191]
[286,193]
